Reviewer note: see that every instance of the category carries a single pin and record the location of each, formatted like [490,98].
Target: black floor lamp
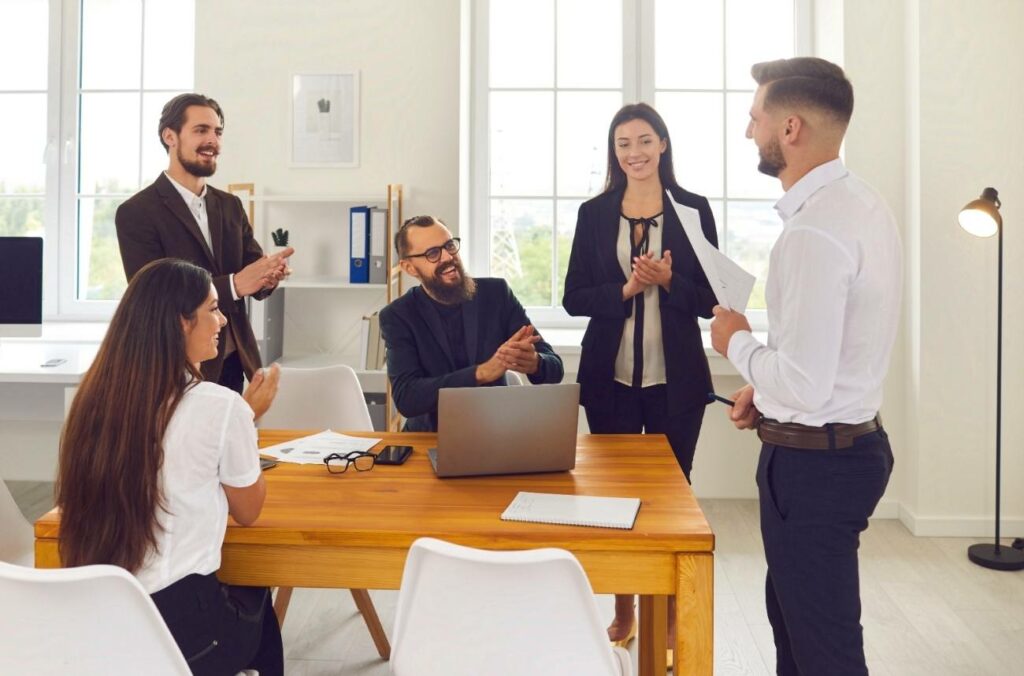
[981,218]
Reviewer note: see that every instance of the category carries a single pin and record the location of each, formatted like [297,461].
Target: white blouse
[653,350]
[211,440]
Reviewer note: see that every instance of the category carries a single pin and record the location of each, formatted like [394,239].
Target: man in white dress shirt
[814,390]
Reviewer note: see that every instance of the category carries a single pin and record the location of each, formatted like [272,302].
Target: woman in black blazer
[634,273]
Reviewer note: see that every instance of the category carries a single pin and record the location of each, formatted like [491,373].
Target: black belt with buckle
[830,436]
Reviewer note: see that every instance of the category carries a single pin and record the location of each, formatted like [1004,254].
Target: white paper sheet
[313,449]
[730,283]
[734,282]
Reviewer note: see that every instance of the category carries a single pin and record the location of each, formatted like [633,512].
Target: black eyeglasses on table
[338,463]
[433,254]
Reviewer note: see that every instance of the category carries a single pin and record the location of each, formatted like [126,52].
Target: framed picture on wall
[325,120]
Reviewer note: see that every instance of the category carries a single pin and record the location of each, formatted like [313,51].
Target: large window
[549,76]
[81,112]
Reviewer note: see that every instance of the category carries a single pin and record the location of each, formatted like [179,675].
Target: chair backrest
[88,621]
[321,398]
[514,378]
[464,611]
[16,539]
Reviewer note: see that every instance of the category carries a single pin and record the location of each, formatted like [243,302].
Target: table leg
[695,614]
[653,629]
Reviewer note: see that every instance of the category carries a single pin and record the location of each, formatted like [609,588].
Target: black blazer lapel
[608,237]
[172,200]
[471,325]
[433,322]
[215,217]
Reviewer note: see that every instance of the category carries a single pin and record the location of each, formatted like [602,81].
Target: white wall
[968,71]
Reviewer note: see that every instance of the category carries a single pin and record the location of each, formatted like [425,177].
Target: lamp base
[996,556]
[1018,543]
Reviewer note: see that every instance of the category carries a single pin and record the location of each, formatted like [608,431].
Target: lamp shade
[981,217]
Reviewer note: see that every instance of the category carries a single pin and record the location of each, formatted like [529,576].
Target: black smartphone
[267,463]
[393,455]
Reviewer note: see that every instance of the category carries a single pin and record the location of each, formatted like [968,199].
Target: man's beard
[450,293]
[196,169]
[772,160]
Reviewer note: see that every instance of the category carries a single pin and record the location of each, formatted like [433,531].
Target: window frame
[637,85]
[63,161]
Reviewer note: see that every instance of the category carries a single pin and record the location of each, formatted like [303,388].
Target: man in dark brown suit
[179,216]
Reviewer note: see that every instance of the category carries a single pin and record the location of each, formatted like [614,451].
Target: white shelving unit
[318,228]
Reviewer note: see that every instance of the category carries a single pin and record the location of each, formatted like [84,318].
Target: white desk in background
[34,398]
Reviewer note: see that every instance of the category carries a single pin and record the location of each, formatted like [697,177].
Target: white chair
[17,542]
[92,620]
[464,611]
[328,397]
[514,378]
[324,398]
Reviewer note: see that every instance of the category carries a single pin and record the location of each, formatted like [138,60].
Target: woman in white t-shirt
[153,459]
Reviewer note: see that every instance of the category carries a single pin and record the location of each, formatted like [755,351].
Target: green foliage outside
[106,273]
[23,217]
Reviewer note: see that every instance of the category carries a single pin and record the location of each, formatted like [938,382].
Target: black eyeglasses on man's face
[433,254]
[338,463]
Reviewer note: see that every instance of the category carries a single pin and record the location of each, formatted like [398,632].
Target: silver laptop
[506,430]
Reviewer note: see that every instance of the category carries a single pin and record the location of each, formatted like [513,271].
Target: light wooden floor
[927,610]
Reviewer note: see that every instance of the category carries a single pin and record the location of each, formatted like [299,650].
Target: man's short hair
[173,115]
[402,236]
[806,81]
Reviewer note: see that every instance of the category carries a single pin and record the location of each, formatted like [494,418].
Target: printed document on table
[730,283]
[313,449]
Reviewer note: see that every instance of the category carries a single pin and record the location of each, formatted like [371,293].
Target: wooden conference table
[353,530]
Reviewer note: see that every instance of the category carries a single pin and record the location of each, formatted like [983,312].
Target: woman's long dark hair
[615,179]
[111,448]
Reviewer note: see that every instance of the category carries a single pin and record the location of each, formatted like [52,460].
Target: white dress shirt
[210,440]
[833,297]
[197,205]
[654,351]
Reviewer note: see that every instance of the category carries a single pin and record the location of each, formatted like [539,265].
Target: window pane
[522,43]
[21,217]
[688,44]
[742,158]
[583,119]
[590,57]
[521,237]
[718,211]
[567,212]
[755,30]
[169,44]
[100,272]
[111,63]
[24,36]
[23,143]
[109,129]
[695,125]
[154,157]
[753,228]
[522,143]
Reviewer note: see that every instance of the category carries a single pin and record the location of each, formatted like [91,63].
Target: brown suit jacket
[156,223]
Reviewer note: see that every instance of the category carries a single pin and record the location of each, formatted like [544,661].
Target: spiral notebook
[573,510]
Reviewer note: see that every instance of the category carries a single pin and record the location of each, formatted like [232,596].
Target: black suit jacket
[156,223]
[419,357]
[593,288]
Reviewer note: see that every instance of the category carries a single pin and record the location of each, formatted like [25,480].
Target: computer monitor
[21,286]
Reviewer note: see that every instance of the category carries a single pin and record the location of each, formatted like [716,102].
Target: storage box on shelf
[318,227]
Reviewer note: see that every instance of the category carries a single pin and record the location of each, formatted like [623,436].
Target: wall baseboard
[959,526]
